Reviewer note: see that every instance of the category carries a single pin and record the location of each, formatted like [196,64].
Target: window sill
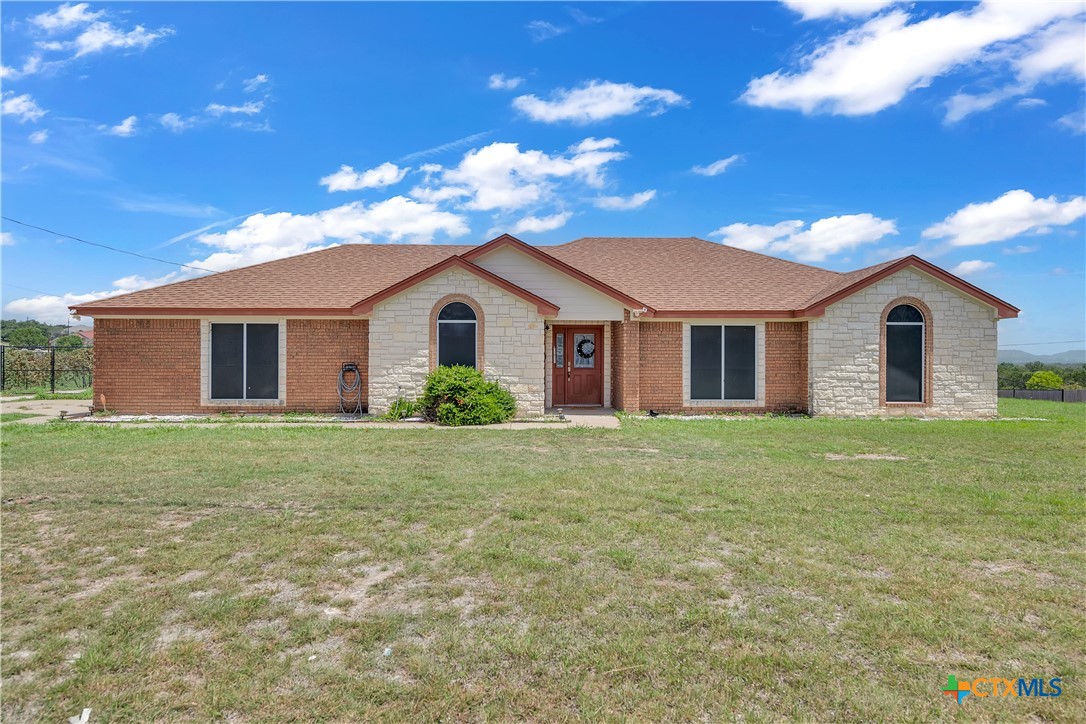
[905,404]
[723,403]
[243,403]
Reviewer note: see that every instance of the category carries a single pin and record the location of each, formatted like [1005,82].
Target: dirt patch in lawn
[864,456]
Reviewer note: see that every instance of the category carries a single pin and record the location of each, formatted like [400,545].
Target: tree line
[32,333]
[1041,376]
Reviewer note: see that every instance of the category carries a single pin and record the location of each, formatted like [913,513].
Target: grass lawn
[669,570]
[16,416]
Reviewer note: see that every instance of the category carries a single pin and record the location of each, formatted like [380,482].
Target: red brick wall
[661,362]
[153,365]
[786,366]
[147,365]
[316,350]
[625,364]
[661,372]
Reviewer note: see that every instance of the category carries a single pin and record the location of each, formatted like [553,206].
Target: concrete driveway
[44,410]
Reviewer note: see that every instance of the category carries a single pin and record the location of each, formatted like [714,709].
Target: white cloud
[596,101]
[539,224]
[149,203]
[101,36]
[817,9]
[625,203]
[1074,122]
[125,128]
[1032,103]
[541,30]
[272,236]
[175,123]
[23,107]
[716,167]
[1012,214]
[251,85]
[249,109]
[1021,249]
[441,148]
[973,266]
[6,238]
[501,176]
[822,239]
[39,136]
[66,17]
[1051,55]
[347,179]
[30,66]
[49,308]
[500,82]
[873,66]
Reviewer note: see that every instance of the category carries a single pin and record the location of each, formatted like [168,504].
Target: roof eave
[543,306]
[89,310]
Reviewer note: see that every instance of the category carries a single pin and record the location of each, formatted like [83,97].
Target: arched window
[905,354]
[456,335]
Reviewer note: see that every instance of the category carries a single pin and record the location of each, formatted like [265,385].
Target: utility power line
[1037,344]
[102,246]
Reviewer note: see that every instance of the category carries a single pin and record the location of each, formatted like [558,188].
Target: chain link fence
[40,369]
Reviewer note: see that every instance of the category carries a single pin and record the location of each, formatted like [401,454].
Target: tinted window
[456,311]
[226,362]
[705,382]
[456,343]
[904,362]
[262,362]
[905,313]
[739,363]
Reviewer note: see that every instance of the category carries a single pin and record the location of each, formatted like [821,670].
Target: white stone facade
[844,352]
[400,338]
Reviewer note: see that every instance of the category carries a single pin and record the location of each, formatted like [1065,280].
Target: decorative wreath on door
[586,348]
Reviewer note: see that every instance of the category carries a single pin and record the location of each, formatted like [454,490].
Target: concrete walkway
[45,410]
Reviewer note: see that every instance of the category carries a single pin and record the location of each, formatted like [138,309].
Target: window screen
[738,363]
[705,356]
[261,361]
[904,362]
[456,343]
[244,361]
[227,361]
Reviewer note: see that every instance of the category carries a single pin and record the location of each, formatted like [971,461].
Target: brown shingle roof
[668,275]
[330,280]
[694,274]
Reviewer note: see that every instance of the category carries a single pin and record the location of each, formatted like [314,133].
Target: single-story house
[679,325]
[87,335]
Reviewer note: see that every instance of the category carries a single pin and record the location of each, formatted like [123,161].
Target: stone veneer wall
[399,345]
[844,352]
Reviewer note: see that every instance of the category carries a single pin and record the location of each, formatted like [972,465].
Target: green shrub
[400,409]
[68,341]
[461,396]
[1044,380]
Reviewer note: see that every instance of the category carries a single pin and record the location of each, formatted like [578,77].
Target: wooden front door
[577,365]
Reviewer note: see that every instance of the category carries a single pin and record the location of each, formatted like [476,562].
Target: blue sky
[838,134]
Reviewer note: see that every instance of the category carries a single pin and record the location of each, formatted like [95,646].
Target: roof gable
[508,240]
[365,306]
[862,278]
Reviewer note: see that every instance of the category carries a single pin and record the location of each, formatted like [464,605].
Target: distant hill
[1069,357]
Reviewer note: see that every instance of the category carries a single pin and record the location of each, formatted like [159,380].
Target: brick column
[626,364]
